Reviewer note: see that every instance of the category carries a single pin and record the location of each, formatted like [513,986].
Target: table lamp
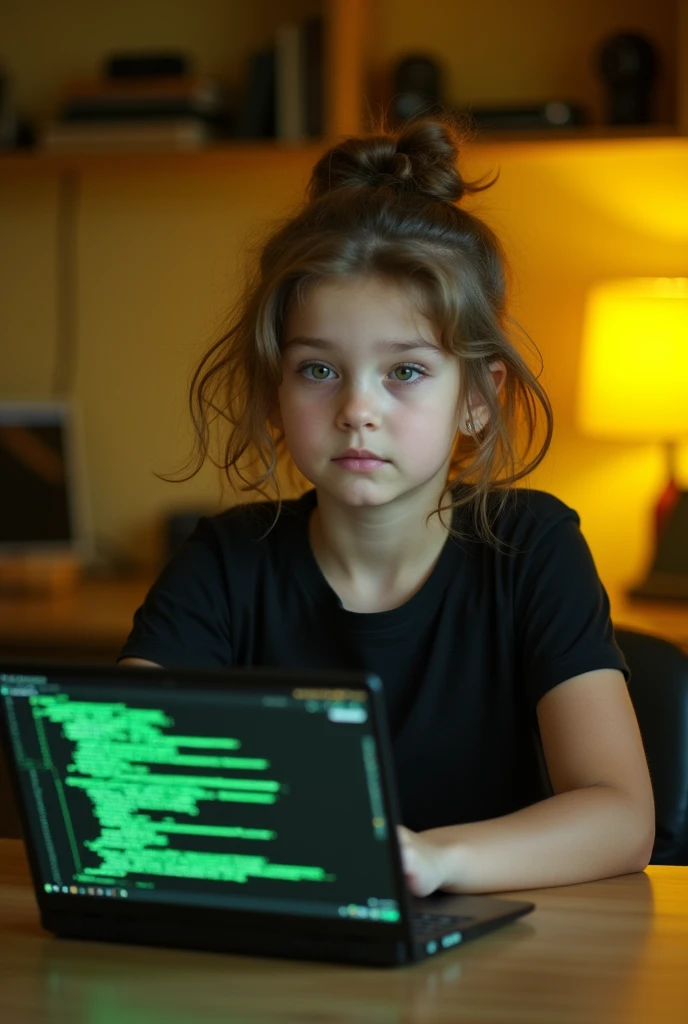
[634,387]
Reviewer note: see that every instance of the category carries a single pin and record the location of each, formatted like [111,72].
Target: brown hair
[385,204]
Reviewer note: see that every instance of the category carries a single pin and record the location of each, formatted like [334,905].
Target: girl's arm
[600,822]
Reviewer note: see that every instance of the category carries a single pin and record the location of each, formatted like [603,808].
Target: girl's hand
[421,860]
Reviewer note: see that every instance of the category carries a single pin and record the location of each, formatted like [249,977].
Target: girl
[372,352]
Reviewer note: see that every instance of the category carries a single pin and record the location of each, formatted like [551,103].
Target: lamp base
[667,579]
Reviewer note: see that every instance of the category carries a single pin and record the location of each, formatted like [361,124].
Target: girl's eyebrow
[395,346]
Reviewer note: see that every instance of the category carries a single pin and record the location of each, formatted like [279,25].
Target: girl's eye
[403,374]
[317,368]
[408,369]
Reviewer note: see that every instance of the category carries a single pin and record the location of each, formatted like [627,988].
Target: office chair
[658,688]
[659,691]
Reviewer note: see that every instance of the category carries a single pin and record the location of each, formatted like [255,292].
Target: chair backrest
[659,691]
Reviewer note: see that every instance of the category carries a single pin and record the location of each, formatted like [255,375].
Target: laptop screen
[266,799]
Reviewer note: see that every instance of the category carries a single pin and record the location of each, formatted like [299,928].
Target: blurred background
[146,144]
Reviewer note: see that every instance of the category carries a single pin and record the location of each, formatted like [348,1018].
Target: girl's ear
[476,417]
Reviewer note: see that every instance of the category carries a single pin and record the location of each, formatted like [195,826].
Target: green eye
[315,371]
[408,370]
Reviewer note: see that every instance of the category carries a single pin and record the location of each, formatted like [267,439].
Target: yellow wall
[158,251]
[570,215]
[158,261]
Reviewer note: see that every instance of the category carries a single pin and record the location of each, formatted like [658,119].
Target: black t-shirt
[464,662]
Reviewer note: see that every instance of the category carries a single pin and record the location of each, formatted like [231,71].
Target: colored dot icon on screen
[123,892]
[431,948]
[48,888]
[389,915]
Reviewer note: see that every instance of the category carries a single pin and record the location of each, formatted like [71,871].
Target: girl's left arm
[600,822]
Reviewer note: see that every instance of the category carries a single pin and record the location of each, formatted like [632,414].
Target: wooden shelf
[235,155]
[238,154]
[583,133]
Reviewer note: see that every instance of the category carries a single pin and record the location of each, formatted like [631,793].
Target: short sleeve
[562,615]
[184,620]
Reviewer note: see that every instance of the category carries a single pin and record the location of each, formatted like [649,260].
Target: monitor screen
[254,800]
[40,505]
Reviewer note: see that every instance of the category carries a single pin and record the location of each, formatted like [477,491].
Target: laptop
[245,810]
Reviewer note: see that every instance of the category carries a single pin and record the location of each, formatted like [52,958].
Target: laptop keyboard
[425,925]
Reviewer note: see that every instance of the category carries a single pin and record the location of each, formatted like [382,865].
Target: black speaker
[629,64]
[417,87]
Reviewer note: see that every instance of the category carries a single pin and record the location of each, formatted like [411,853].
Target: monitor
[43,506]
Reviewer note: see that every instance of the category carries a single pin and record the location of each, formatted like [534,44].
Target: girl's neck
[371,552]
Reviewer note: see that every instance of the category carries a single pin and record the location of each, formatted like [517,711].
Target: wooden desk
[88,623]
[609,952]
[92,622]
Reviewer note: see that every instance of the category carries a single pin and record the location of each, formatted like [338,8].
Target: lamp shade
[634,367]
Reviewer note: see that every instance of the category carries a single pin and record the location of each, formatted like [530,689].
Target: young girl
[372,352]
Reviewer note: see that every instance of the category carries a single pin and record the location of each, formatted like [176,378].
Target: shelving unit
[360,49]
[344,29]
[240,155]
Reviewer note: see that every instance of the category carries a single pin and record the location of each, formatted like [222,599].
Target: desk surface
[95,617]
[609,952]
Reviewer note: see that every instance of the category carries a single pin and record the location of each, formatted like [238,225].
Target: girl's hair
[385,204]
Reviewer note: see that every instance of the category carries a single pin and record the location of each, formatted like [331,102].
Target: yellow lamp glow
[634,372]
[634,386]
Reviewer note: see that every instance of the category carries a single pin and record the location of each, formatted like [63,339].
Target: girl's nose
[359,408]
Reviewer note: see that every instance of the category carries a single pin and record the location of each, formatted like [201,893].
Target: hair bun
[420,158]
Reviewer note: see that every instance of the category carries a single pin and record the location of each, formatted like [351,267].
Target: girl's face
[363,369]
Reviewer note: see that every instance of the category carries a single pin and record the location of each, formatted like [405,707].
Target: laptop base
[139,932]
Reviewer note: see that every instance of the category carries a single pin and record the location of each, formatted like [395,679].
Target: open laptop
[246,810]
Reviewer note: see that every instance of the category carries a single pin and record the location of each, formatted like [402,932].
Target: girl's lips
[360,465]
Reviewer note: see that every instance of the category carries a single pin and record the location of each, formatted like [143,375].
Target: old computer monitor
[43,503]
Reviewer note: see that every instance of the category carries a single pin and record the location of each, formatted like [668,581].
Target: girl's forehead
[373,289]
[361,307]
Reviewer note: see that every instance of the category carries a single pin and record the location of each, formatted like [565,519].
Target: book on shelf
[256,115]
[314,67]
[299,80]
[127,135]
[202,96]
[103,101]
